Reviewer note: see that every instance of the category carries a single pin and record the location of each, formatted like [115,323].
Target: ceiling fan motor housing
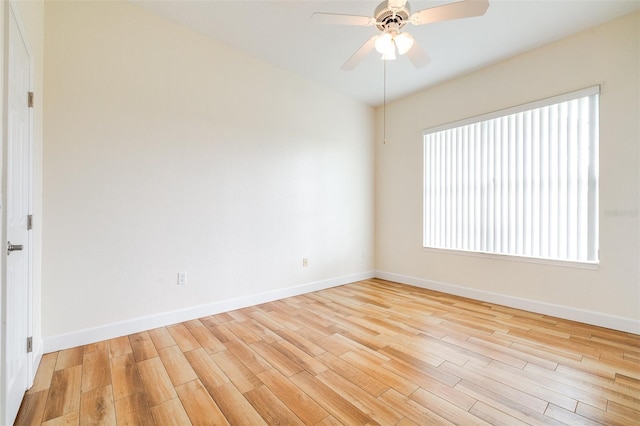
[388,18]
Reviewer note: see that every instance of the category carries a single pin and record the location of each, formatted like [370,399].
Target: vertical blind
[522,181]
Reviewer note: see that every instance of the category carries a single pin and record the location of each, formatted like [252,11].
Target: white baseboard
[628,325]
[123,328]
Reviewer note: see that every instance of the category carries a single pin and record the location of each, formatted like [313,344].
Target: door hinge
[29,222]
[30,99]
[29,344]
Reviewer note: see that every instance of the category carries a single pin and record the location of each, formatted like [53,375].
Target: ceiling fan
[390,17]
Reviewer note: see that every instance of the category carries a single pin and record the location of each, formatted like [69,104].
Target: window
[521,182]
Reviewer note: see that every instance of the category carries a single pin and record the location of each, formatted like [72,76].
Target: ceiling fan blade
[355,59]
[457,10]
[339,19]
[418,56]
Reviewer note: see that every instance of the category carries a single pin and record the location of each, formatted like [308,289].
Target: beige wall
[607,55]
[167,151]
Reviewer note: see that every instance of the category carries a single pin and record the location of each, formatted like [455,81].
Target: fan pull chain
[384,102]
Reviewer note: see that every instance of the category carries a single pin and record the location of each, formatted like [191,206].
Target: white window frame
[464,175]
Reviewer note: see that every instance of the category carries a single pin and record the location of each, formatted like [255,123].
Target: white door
[17,357]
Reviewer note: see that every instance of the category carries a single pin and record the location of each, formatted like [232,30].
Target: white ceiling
[279,32]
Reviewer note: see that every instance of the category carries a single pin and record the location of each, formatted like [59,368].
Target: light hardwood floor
[372,352]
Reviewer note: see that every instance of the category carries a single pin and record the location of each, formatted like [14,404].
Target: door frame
[11,9]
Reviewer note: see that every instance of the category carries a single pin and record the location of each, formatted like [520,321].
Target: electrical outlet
[305,262]
[182,278]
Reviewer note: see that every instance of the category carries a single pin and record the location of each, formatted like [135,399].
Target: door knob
[13,247]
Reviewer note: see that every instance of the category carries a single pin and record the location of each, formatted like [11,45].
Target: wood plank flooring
[372,352]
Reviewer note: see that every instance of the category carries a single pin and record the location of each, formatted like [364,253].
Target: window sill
[594,266]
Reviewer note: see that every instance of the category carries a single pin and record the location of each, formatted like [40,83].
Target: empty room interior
[208,221]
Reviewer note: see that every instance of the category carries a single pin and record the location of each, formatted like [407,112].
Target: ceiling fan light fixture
[389,55]
[384,43]
[404,42]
